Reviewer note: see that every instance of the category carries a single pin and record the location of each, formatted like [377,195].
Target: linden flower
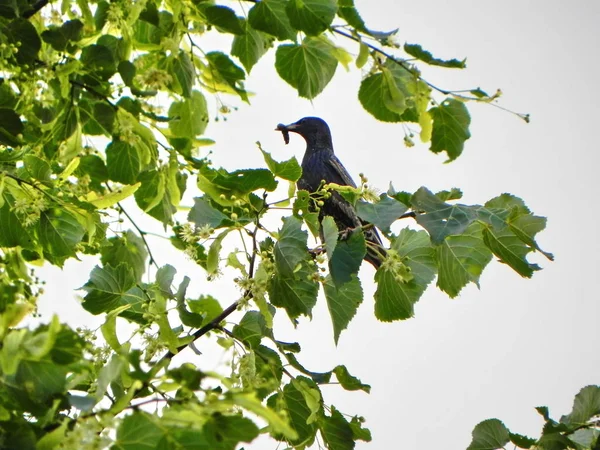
[156,78]
[188,234]
[370,194]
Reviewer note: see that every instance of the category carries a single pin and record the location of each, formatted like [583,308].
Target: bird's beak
[291,127]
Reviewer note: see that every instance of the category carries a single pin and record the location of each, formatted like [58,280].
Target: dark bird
[320,164]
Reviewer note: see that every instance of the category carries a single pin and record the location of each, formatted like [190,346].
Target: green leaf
[251,329]
[59,233]
[585,406]
[336,431]
[293,286]
[288,170]
[183,69]
[123,162]
[364,434]
[189,117]
[204,214]
[489,435]
[292,401]
[522,441]
[99,61]
[343,302]
[510,250]
[311,16]
[222,18]
[270,16]
[36,168]
[330,235]
[10,127]
[221,185]
[394,94]
[223,69]
[348,12]
[207,306]
[461,259]
[226,431]
[187,318]
[250,46]
[450,128]
[129,249]
[347,257]
[290,250]
[395,298]
[308,67]
[23,34]
[139,431]
[417,51]
[350,382]
[13,231]
[212,261]
[60,37]
[383,213]
[108,287]
[441,219]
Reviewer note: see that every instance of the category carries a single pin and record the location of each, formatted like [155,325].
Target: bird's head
[314,130]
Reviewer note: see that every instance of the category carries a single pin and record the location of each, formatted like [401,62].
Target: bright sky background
[495,352]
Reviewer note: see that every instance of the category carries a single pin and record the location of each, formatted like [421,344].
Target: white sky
[515,344]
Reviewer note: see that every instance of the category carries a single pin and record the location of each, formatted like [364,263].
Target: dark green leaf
[489,435]
[10,127]
[441,219]
[336,431]
[203,213]
[99,61]
[395,297]
[394,94]
[288,170]
[221,66]
[521,441]
[347,257]
[585,406]
[108,288]
[268,368]
[311,16]
[510,250]
[36,168]
[461,259]
[227,431]
[123,162]
[364,434]
[188,118]
[343,302]
[23,34]
[293,402]
[349,382]
[293,287]
[383,213]
[423,55]
[270,16]
[129,249]
[139,431]
[59,234]
[222,18]
[184,72]
[221,185]
[348,12]
[250,46]
[308,67]
[13,231]
[59,37]
[450,128]
[155,194]
[251,329]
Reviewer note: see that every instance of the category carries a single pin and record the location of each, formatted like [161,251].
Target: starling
[320,164]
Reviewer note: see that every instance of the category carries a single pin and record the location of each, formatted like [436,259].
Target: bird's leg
[345,234]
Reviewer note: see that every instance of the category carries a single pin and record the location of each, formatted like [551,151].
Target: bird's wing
[339,174]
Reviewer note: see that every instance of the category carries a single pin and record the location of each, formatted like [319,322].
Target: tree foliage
[80,132]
